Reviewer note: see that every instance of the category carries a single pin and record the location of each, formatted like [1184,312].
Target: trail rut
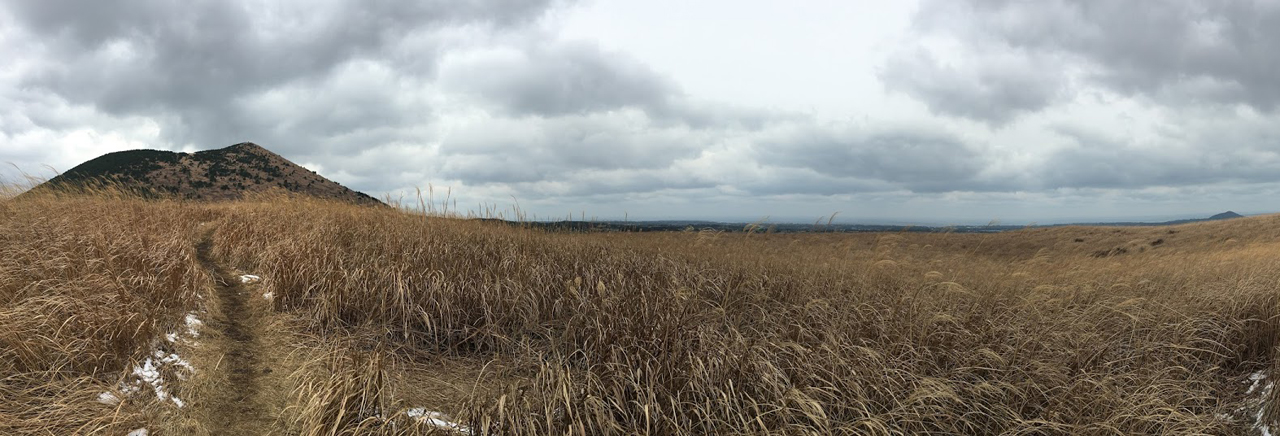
[246,399]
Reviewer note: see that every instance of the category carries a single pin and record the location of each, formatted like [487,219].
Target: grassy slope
[697,333]
[692,333]
[86,287]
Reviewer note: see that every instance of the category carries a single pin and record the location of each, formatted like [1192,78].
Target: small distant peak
[1226,215]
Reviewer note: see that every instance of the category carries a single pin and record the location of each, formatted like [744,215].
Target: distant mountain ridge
[685,225]
[223,174]
[1222,216]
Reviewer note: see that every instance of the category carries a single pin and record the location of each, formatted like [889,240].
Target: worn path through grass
[244,392]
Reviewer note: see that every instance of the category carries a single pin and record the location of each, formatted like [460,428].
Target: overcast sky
[947,111]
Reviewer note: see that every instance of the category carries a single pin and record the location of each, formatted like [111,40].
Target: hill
[1222,216]
[223,174]
[1226,216]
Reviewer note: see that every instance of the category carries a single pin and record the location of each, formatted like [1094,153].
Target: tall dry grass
[86,285]
[701,333]
[1042,331]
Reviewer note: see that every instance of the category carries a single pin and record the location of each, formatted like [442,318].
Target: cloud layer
[1052,103]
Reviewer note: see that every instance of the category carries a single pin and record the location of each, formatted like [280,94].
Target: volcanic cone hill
[223,174]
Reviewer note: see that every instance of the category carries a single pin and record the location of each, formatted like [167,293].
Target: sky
[931,112]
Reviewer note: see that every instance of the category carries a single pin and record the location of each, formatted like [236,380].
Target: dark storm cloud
[193,62]
[917,159]
[1172,52]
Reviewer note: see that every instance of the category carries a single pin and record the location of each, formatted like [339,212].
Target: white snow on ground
[173,359]
[436,419]
[1262,388]
[193,325]
[148,372]
[108,398]
[1257,378]
[250,278]
[138,432]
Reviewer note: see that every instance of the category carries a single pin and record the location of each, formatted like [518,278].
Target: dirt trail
[245,395]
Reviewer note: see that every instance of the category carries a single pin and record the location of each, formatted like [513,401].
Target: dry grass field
[368,320]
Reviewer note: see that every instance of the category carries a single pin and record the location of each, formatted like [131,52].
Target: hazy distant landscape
[821,227]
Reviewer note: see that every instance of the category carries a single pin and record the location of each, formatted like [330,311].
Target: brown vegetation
[86,286]
[1026,332]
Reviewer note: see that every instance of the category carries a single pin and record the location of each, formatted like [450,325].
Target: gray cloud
[785,181]
[559,79]
[489,96]
[914,159]
[617,184]
[1175,52]
[1095,160]
[193,62]
[507,150]
[996,88]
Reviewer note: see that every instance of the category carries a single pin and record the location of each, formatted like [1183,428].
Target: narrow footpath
[245,398]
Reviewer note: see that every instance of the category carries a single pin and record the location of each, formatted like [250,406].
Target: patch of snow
[249,278]
[148,373]
[128,389]
[108,398]
[1257,379]
[174,359]
[436,419]
[193,325]
[138,432]
[1259,419]
[269,296]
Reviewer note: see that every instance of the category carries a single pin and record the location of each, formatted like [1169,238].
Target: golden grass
[1018,333]
[1041,331]
[85,286]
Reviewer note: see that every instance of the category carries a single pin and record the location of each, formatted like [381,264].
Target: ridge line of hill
[227,173]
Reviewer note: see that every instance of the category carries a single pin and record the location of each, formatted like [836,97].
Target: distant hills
[223,174]
[676,225]
[1222,216]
